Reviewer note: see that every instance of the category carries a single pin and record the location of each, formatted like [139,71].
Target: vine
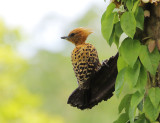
[137,63]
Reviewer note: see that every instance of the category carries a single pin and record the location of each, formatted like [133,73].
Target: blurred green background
[36,75]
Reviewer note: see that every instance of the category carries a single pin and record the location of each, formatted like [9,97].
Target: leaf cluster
[134,62]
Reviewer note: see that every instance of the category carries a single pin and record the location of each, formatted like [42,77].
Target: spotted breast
[85,63]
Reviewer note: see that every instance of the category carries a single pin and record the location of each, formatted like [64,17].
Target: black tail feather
[102,86]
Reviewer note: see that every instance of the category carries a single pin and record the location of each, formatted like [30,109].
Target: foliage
[133,63]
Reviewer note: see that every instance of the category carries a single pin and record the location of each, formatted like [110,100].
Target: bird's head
[78,36]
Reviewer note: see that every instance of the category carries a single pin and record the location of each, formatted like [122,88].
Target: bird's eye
[72,34]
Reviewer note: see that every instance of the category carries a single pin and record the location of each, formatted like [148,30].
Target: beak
[65,37]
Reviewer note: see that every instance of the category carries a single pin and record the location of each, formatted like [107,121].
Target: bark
[152,30]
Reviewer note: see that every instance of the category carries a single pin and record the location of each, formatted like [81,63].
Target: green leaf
[149,110]
[107,27]
[110,9]
[125,102]
[119,82]
[130,50]
[116,18]
[154,56]
[140,105]
[123,118]
[145,59]
[154,95]
[128,23]
[132,74]
[107,22]
[135,6]
[135,100]
[142,119]
[129,4]
[149,60]
[142,79]
[111,39]
[117,33]
[116,40]
[118,29]
[121,63]
[139,15]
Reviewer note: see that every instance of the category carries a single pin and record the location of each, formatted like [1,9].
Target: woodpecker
[84,58]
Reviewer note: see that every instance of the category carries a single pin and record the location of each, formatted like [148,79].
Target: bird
[84,59]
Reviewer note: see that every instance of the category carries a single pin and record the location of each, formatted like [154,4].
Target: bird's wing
[85,62]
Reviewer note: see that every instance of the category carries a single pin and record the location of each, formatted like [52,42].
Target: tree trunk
[152,31]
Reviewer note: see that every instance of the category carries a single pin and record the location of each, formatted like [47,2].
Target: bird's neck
[80,43]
